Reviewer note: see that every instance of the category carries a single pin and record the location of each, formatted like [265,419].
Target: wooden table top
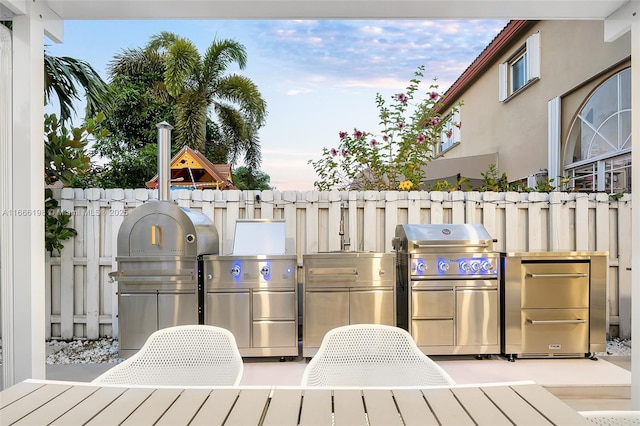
[42,402]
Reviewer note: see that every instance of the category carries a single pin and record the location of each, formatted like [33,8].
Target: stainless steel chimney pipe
[164,157]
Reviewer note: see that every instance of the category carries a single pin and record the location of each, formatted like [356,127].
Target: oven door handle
[544,322]
[557,275]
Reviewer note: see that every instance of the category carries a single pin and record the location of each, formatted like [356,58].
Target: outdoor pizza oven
[159,256]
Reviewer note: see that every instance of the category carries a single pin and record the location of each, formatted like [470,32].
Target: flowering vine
[394,159]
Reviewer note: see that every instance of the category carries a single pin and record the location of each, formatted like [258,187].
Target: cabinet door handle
[557,275]
[542,322]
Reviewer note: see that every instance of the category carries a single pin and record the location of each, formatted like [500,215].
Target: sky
[318,77]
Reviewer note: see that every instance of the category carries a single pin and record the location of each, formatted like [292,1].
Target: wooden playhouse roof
[191,169]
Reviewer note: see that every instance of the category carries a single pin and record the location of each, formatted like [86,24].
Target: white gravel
[106,350]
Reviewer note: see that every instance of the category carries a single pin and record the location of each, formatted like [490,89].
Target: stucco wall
[574,60]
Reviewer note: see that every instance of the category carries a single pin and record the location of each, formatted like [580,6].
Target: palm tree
[200,84]
[63,75]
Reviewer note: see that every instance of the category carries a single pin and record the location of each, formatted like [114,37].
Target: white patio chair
[186,355]
[372,355]
[613,417]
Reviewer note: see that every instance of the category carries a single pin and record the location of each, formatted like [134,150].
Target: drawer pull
[542,322]
[557,275]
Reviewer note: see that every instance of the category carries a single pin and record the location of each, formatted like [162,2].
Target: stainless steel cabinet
[345,288]
[256,299]
[140,314]
[553,304]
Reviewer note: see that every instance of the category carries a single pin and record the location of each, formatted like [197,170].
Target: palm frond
[221,54]
[243,91]
[61,76]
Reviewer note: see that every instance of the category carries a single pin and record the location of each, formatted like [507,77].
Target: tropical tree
[63,79]
[245,179]
[201,84]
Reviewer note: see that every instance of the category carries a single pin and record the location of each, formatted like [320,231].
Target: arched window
[598,151]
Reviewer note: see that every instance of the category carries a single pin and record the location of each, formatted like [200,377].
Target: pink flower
[373,143]
[344,153]
[333,152]
[449,133]
[400,126]
[435,122]
[358,134]
[433,96]
[421,139]
[342,135]
[385,138]
[402,98]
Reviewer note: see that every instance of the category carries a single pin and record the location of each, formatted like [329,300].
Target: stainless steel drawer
[555,331]
[274,305]
[555,285]
[432,303]
[274,334]
[431,332]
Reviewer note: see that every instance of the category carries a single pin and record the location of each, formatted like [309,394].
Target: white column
[23,345]
[6,220]
[635,208]
[553,141]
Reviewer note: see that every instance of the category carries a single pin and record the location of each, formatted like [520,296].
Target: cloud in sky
[318,76]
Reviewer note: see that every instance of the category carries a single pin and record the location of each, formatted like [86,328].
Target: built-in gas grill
[448,288]
[253,292]
[160,248]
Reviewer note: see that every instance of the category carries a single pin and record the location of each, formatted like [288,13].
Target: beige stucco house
[544,100]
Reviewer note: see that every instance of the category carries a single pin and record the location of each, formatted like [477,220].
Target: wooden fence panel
[82,302]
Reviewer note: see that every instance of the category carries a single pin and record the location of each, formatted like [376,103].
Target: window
[522,68]
[450,133]
[598,150]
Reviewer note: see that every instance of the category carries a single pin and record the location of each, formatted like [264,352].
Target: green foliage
[492,182]
[395,158]
[130,168]
[64,149]
[461,184]
[245,179]
[65,160]
[56,225]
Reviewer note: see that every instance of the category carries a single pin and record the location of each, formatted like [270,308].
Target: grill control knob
[464,266]
[421,267]
[443,266]
[235,271]
[486,266]
[475,266]
[265,270]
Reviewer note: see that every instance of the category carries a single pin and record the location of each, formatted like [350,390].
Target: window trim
[530,50]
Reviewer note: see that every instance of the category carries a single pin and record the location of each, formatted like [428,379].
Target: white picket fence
[81,301]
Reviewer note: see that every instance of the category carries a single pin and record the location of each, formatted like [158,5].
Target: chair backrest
[613,417]
[372,355]
[187,355]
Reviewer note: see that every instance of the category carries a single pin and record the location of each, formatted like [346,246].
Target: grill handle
[557,275]
[483,245]
[544,322]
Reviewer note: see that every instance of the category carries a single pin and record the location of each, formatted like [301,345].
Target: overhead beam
[620,21]
[333,9]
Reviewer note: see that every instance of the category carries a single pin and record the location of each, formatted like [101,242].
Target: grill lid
[259,237]
[442,237]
